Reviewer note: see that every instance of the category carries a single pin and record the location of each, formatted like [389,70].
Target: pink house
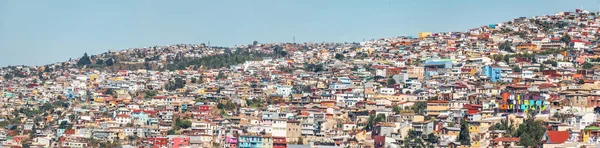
[180,142]
[232,141]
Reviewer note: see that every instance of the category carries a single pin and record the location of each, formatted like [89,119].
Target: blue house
[494,73]
[140,118]
[250,142]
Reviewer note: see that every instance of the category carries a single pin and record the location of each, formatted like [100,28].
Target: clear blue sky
[48,31]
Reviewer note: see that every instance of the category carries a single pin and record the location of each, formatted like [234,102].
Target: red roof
[506,139]
[378,67]
[557,137]
[123,116]
[69,132]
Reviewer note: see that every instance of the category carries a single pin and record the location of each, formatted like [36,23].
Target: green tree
[184,124]
[391,81]
[463,136]
[566,39]
[506,46]
[374,120]
[431,138]
[531,132]
[171,132]
[339,56]
[63,125]
[587,65]
[84,60]
[397,109]
[581,81]
[516,69]
[99,62]
[419,107]
[110,62]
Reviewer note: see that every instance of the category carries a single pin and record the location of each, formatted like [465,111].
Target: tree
[506,46]
[380,118]
[516,69]
[85,60]
[587,65]
[531,132]
[171,132]
[254,43]
[339,56]
[99,62]
[581,81]
[391,81]
[397,109]
[506,59]
[431,138]
[183,124]
[419,107]
[110,62]
[63,125]
[566,39]
[300,140]
[374,120]
[596,110]
[463,136]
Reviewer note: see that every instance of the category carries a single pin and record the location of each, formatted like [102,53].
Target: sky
[43,32]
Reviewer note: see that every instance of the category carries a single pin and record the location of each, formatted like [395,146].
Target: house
[436,107]
[383,129]
[123,119]
[177,141]
[493,73]
[504,142]
[555,137]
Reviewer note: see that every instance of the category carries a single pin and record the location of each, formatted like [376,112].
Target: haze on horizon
[44,32]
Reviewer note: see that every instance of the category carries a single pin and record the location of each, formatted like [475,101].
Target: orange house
[527,46]
[327,103]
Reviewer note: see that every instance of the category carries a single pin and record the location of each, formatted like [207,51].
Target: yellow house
[589,131]
[90,124]
[435,107]
[93,77]
[423,35]
[202,91]
[120,91]
[474,126]
[487,114]
[99,100]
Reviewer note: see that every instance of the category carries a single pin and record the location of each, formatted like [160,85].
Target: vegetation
[531,132]
[176,84]
[217,61]
[419,107]
[227,106]
[254,103]
[587,65]
[397,109]
[314,67]
[84,60]
[339,56]
[182,124]
[391,81]
[374,120]
[463,136]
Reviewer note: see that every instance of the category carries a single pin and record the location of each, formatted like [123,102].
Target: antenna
[294,39]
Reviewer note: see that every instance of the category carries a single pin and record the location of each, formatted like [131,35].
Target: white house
[123,119]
